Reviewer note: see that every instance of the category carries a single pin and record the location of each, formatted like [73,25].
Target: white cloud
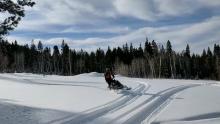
[47,15]
[116,29]
[20,40]
[152,10]
[68,12]
[99,12]
[141,9]
[198,35]
[175,8]
[213,3]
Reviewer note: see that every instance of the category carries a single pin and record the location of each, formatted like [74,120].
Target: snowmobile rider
[112,83]
[109,77]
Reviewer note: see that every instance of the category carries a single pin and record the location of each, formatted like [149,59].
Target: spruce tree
[169,48]
[40,58]
[187,53]
[56,60]
[154,48]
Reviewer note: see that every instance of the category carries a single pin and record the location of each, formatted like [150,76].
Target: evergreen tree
[16,11]
[40,46]
[33,57]
[140,52]
[47,58]
[100,55]
[154,48]
[108,57]
[187,63]
[41,60]
[56,60]
[203,74]
[169,48]
[65,59]
[187,54]
[210,64]
[148,50]
[93,61]
[162,50]
[168,65]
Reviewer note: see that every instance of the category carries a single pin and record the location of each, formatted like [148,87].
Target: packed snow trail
[151,109]
[92,114]
[145,109]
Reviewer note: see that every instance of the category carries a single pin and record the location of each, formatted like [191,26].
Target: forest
[147,61]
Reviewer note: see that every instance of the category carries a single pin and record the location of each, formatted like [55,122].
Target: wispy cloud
[117,29]
[121,21]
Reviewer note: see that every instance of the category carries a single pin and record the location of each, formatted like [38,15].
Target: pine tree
[41,60]
[56,60]
[168,61]
[187,54]
[217,61]
[16,11]
[154,48]
[169,48]
[210,64]
[100,55]
[92,61]
[65,60]
[187,63]
[33,57]
[33,47]
[40,46]
[203,73]
[148,50]
[140,52]
[47,58]
[108,57]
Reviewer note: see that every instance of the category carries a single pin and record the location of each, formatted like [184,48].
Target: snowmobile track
[154,105]
[99,111]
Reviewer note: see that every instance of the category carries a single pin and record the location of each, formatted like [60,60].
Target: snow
[200,103]
[37,99]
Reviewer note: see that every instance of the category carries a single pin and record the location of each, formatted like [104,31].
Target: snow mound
[95,74]
[91,74]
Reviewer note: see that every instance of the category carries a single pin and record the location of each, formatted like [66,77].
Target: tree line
[149,61]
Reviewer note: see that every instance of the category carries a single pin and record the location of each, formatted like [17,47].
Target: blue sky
[90,24]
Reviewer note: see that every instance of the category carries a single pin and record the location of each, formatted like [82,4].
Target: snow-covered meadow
[37,99]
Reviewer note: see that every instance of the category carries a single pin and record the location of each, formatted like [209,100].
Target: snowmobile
[116,85]
[112,83]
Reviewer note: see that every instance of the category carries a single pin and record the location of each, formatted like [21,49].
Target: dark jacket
[109,76]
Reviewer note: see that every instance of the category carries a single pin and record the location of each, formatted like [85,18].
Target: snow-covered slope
[36,99]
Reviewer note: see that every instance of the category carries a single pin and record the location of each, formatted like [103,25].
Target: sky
[90,24]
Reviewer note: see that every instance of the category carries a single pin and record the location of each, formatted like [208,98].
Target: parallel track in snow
[154,105]
[112,106]
[143,112]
